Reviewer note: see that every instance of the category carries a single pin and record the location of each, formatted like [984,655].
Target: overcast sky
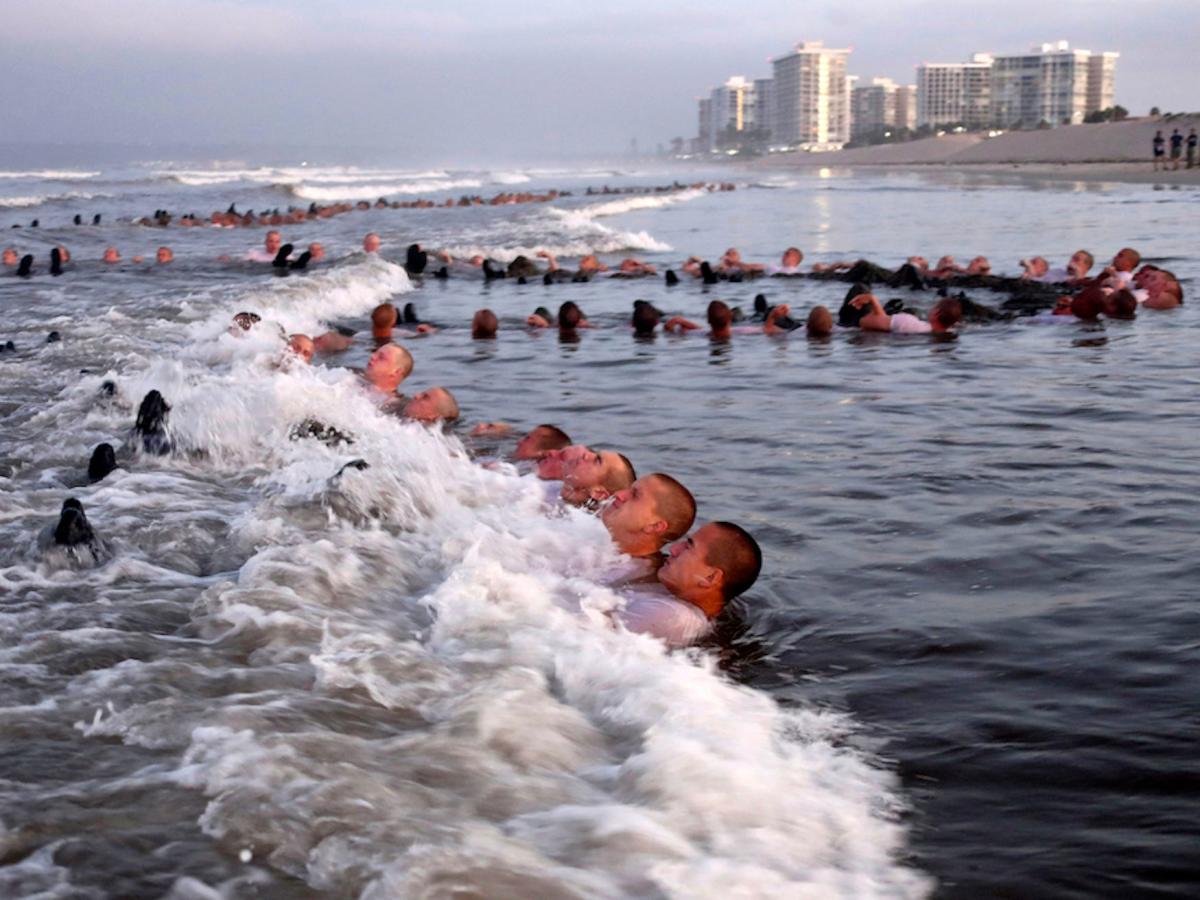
[480,81]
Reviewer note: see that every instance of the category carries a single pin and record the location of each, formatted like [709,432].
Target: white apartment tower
[1050,84]
[812,97]
[873,106]
[906,106]
[955,93]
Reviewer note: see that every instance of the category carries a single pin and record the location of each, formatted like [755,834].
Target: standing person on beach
[1191,148]
[1159,147]
[1176,148]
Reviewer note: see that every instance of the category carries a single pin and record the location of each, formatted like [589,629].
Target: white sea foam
[40,199]
[632,203]
[50,174]
[508,178]
[440,697]
[373,190]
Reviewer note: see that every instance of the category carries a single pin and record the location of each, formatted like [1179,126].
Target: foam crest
[631,204]
[40,199]
[50,174]
[372,191]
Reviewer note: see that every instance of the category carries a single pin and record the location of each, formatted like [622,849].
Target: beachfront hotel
[811,97]
[955,93]
[736,107]
[881,105]
[1050,85]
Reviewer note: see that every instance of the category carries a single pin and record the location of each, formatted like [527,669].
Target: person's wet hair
[484,324]
[947,312]
[383,319]
[55,261]
[569,316]
[671,278]
[25,267]
[410,314]
[645,318]
[719,315]
[849,315]
[738,556]
[1121,305]
[247,320]
[621,477]
[820,322]
[675,504]
[548,437]
[1088,304]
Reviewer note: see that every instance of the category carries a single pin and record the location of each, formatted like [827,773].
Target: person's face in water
[371,243]
[553,464]
[686,573]
[531,446]
[10,256]
[273,242]
[433,405]
[632,518]
[302,346]
[584,475]
[164,255]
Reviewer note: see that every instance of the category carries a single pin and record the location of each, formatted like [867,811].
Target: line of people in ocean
[671,593]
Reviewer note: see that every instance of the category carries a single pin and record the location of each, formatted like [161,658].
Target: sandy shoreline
[1112,152]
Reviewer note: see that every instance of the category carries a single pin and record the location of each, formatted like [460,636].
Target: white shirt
[674,622]
[259,255]
[907,323]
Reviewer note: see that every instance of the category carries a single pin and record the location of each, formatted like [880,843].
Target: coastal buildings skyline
[812,102]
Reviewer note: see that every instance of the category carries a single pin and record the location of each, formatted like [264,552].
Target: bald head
[651,512]
[484,324]
[820,322]
[433,405]
[383,320]
[720,317]
[388,367]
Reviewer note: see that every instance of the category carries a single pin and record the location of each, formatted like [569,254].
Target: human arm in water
[875,319]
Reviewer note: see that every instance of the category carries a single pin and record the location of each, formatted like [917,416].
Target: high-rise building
[704,142]
[812,97]
[873,107]
[764,103]
[906,106]
[1102,76]
[1050,84]
[729,111]
[955,93]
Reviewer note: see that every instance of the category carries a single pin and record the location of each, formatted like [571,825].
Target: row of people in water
[295,215]
[673,594]
[1038,287]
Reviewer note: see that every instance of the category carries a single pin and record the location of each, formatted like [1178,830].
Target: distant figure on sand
[1176,148]
[1191,148]
[1159,144]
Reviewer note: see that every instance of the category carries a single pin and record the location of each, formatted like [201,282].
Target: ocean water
[970,667]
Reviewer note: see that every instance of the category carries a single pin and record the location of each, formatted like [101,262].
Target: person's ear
[658,526]
[599,494]
[713,577]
